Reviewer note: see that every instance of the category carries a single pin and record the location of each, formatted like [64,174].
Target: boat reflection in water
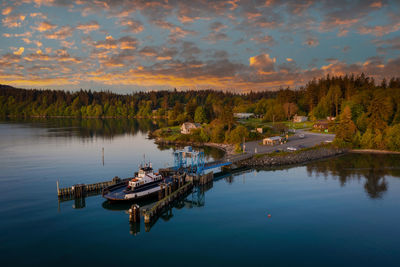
[196,198]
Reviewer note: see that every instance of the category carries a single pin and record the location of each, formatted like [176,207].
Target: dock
[81,190]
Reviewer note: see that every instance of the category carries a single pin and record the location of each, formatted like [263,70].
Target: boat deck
[116,193]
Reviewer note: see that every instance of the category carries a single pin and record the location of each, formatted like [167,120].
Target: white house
[300,118]
[243,115]
[274,140]
[188,126]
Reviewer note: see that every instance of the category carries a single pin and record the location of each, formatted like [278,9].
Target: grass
[258,123]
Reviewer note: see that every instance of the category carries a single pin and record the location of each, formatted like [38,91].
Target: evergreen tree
[346,128]
[200,115]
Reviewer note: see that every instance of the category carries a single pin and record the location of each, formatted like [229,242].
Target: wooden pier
[81,190]
[153,213]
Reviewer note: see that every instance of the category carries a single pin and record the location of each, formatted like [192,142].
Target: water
[342,211]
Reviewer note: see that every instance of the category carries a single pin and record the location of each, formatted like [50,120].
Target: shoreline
[373,151]
[299,157]
[267,160]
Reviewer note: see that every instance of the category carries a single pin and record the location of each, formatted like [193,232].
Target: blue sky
[124,46]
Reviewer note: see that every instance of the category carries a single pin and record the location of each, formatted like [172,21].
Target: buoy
[269,215]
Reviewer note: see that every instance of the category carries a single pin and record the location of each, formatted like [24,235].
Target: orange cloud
[61,34]
[88,27]
[377,4]
[19,51]
[45,26]
[380,30]
[7,10]
[13,21]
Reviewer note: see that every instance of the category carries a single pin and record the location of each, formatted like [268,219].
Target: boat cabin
[144,176]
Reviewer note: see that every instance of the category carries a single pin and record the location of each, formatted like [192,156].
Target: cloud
[38,15]
[61,34]
[7,10]
[380,30]
[45,26]
[19,51]
[388,44]
[216,37]
[131,25]
[88,27]
[210,44]
[263,63]
[267,39]
[13,20]
[217,26]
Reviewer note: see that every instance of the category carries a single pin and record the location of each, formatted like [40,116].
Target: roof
[190,124]
[273,138]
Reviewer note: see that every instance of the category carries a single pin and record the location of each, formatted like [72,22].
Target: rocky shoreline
[267,160]
[292,158]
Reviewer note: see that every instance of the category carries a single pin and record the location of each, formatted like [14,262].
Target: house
[188,126]
[259,130]
[331,118]
[243,115]
[271,141]
[321,125]
[297,118]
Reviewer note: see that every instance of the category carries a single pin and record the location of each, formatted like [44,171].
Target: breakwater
[288,158]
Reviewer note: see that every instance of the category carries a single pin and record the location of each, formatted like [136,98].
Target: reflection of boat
[145,184]
[125,205]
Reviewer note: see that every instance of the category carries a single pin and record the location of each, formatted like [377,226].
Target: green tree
[346,128]
[238,134]
[200,115]
[392,137]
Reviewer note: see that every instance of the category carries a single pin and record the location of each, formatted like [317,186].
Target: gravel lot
[310,139]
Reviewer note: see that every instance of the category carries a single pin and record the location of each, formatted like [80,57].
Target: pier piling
[134,213]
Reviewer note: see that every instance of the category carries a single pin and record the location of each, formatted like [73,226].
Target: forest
[367,113]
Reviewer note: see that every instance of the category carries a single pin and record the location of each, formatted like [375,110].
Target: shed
[274,140]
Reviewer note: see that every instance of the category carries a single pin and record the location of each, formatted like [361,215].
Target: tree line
[367,113]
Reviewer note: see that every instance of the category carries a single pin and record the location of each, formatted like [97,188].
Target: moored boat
[146,183]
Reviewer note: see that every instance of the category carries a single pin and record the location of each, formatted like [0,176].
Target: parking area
[296,141]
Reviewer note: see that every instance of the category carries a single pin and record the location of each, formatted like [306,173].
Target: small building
[331,118]
[297,118]
[243,115]
[321,125]
[259,130]
[271,141]
[188,126]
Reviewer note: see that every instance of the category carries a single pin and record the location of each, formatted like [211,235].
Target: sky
[232,45]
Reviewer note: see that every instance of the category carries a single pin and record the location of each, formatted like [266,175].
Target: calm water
[342,211]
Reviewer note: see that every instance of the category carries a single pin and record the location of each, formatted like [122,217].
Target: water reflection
[371,167]
[88,128]
[195,198]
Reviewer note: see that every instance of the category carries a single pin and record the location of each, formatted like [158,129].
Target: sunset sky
[125,46]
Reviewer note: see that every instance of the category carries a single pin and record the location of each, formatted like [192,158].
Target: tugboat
[146,183]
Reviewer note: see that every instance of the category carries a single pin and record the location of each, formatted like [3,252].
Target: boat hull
[116,193]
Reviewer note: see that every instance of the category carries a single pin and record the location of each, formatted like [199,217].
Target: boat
[145,184]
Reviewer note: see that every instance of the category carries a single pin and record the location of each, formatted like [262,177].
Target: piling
[102,154]
[134,213]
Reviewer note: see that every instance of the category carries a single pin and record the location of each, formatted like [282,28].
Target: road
[310,139]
